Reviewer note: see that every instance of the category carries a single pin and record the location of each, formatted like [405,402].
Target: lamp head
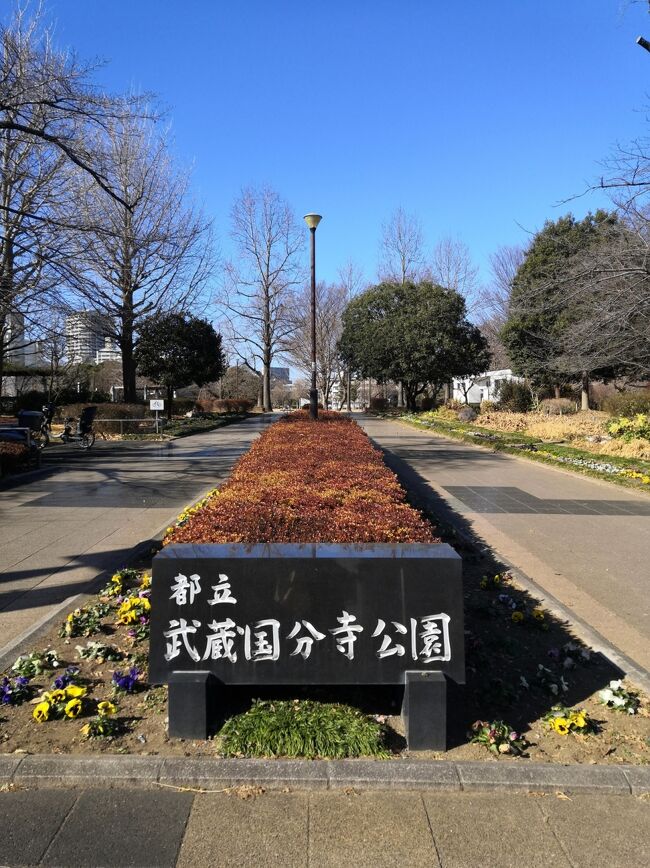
[312,220]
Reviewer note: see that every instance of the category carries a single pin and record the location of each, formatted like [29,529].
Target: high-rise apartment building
[86,337]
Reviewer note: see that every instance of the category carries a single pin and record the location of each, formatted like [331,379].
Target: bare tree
[145,251]
[331,301]
[47,96]
[32,187]
[259,289]
[608,288]
[452,267]
[351,281]
[493,300]
[401,249]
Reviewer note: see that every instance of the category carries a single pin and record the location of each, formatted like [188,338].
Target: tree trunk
[266,387]
[348,389]
[410,395]
[128,372]
[584,395]
[170,402]
[556,390]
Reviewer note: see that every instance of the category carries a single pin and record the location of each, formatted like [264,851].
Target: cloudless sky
[479,117]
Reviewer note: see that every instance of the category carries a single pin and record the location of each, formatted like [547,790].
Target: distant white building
[86,338]
[482,387]
[110,352]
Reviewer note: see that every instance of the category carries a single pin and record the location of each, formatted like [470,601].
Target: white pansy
[615,685]
[606,695]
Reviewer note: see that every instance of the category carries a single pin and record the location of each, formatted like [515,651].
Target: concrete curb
[56,771]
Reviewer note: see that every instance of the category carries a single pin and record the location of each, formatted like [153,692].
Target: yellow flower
[85,729]
[73,708]
[538,614]
[57,696]
[146,605]
[517,617]
[41,712]
[561,725]
[106,708]
[73,690]
[145,581]
[578,719]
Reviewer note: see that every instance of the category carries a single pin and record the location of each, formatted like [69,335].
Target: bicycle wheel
[87,440]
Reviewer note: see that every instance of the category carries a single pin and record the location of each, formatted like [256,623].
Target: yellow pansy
[73,690]
[106,708]
[561,725]
[73,708]
[41,712]
[57,696]
[538,614]
[517,617]
[578,719]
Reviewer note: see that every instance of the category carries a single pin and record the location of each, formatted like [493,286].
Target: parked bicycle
[41,437]
[84,434]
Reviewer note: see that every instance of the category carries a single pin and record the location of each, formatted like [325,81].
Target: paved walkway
[584,541]
[240,828]
[85,511]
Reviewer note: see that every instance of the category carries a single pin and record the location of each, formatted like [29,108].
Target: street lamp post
[312,220]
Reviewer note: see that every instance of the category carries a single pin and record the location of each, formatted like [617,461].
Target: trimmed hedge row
[13,457]
[307,482]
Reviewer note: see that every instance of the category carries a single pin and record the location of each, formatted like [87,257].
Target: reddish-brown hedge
[308,482]
[13,457]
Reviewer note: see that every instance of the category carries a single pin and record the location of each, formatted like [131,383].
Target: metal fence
[146,425]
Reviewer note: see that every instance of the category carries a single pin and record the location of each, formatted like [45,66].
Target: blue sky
[478,117]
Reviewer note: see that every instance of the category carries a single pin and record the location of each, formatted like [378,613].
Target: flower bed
[615,468]
[306,482]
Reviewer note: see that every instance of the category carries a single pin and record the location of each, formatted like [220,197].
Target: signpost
[280,614]
[156,404]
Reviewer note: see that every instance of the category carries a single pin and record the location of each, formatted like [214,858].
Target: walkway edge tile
[639,779]
[211,773]
[396,774]
[8,765]
[88,771]
[543,778]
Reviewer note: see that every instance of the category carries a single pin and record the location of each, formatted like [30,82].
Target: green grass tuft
[302,728]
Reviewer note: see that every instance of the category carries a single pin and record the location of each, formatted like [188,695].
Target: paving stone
[639,779]
[369,829]
[398,774]
[29,821]
[8,765]
[228,829]
[494,830]
[212,773]
[118,827]
[88,771]
[543,778]
[596,830]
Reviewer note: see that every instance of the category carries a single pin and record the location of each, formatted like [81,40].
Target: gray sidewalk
[85,512]
[248,827]
[583,541]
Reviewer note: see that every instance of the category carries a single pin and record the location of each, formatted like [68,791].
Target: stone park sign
[326,614]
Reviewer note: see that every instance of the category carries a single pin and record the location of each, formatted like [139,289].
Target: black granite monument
[324,614]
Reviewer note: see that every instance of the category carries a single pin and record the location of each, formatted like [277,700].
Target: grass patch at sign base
[302,728]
